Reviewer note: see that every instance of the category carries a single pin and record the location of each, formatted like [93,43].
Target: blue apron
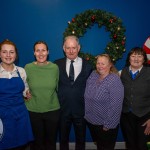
[15,127]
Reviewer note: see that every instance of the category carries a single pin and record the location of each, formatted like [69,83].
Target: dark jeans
[133,131]
[105,140]
[79,128]
[45,128]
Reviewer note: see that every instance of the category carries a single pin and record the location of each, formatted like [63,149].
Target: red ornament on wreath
[111,20]
[123,42]
[73,20]
[93,19]
[115,36]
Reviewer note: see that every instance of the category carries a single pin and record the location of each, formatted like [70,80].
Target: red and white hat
[146,47]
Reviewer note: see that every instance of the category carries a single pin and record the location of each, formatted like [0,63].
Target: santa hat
[146,47]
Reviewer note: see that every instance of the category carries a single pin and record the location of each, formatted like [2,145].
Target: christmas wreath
[79,24]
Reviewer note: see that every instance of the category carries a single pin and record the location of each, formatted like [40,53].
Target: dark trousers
[105,140]
[133,131]
[45,128]
[24,147]
[79,129]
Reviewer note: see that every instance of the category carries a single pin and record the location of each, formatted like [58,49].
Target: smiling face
[136,61]
[103,65]
[71,47]
[8,54]
[41,53]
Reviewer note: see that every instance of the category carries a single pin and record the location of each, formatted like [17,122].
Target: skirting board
[92,146]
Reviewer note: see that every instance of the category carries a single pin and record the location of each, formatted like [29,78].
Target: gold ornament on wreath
[79,24]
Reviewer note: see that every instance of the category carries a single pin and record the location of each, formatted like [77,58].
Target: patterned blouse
[103,100]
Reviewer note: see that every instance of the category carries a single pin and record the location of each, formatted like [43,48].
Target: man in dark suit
[71,93]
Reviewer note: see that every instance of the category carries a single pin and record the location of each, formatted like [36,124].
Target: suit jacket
[137,92]
[71,97]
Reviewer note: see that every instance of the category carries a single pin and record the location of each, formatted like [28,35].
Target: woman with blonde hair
[103,102]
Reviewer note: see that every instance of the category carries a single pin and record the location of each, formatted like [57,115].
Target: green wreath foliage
[79,24]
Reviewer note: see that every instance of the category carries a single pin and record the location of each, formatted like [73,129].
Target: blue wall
[26,21]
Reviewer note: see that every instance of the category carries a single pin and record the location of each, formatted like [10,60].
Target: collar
[75,60]
[135,70]
[2,69]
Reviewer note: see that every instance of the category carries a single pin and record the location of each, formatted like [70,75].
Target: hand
[28,95]
[147,128]
[105,129]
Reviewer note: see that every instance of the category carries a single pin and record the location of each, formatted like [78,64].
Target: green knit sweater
[43,82]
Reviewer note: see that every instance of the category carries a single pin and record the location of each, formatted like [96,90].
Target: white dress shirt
[77,66]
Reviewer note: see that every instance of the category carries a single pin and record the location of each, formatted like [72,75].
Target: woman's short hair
[138,51]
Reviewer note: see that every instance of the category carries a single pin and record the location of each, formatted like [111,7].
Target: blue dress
[15,127]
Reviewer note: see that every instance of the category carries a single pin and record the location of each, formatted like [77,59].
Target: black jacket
[71,97]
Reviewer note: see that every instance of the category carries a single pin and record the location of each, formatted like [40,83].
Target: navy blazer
[71,97]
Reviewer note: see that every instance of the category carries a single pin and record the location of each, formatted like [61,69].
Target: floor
[86,149]
[92,146]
